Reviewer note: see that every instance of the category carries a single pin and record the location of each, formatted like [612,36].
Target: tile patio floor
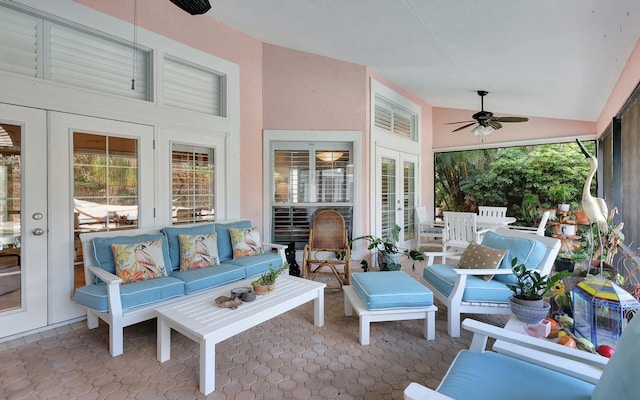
[284,358]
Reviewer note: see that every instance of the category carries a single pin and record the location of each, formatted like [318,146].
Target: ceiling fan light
[482,130]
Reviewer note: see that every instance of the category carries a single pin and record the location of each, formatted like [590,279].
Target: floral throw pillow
[199,250]
[245,242]
[139,261]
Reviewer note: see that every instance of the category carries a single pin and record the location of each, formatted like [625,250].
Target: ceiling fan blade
[459,122]
[495,124]
[464,126]
[511,119]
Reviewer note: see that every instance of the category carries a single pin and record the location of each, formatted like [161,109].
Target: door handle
[38,232]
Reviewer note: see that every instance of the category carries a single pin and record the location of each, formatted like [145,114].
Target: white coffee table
[580,370]
[201,320]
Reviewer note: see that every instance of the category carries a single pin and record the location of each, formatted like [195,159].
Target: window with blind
[193,88]
[394,118]
[35,46]
[192,184]
[307,178]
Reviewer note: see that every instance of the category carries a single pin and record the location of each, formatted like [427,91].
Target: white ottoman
[389,296]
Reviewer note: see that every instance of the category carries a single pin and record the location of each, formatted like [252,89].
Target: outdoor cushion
[256,265]
[473,376]
[390,289]
[477,256]
[246,242]
[225,251]
[103,254]
[199,250]
[131,294]
[207,278]
[529,252]
[443,277]
[173,233]
[139,261]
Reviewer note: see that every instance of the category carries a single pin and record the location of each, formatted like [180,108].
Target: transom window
[393,118]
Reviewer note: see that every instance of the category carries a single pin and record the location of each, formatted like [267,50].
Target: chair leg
[453,321]
[116,339]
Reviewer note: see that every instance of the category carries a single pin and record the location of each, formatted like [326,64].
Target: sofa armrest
[280,248]
[113,283]
[416,391]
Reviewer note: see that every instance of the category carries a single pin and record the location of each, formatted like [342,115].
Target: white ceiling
[546,58]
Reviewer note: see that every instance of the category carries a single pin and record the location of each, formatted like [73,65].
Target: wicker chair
[327,237]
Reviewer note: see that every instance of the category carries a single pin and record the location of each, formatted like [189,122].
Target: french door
[396,183]
[23,219]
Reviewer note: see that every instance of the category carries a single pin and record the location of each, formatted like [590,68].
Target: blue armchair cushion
[443,277]
[173,239]
[102,252]
[225,250]
[132,294]
[493,376]
[199,279]
[258,264]
[390,289]
[529,252]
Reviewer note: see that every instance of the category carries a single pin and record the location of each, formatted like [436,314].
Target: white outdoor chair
[491,212]
[539,230]
[429,235]
[459,230]
[536,369]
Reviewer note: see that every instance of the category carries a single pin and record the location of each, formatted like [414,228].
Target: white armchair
[464,290]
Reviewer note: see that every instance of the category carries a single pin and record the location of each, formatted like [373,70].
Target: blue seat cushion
[132,294]
[529,252]
[390,289]
[103,255]
[199,279]
[443,277]
[172,233]
[225,249]
[258,264]
[493,376]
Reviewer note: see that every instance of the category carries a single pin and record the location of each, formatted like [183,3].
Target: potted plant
[267,281]
[387,250]
[527,302]
[562,193]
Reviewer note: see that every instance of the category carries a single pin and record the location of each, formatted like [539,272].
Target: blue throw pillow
[529,252]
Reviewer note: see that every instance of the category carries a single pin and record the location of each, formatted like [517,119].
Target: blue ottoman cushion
[443,277]
[390,289]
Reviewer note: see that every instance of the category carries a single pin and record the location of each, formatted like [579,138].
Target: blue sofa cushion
[443,277]
[256,265]
[493,376]
[103,255]
[529,252]
[173,232]
[390,289]
[225,250]
[199,279]
[132,294]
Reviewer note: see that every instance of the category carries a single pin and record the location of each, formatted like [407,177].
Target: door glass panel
[11,279]
[192,184]
[105,188]
[388,195]
[409,184]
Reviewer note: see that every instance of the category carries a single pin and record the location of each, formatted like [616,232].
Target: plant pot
[581,217]
[529,314]
[568,229]
[263,289]
[389,261]
[564,207]
[563,264]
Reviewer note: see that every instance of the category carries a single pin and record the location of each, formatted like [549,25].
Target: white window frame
[353,137]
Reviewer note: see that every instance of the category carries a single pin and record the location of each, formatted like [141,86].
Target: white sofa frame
[116,317]
[454,303]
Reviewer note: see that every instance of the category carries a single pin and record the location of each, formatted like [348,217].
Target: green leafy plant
[269,277]
[530,284]
[562,193]
[387,250]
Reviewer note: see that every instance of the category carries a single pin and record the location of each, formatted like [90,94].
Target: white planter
[568,229]
[564,207]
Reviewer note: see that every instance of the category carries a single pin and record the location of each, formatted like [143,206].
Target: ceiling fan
[487,123]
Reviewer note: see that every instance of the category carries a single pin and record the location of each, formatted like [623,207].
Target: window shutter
[383,117]
[192,88]
[18,42]
[393,118]
[82,59]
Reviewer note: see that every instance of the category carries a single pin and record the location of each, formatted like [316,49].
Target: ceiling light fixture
[329,156]
[193,7]
[481,130]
